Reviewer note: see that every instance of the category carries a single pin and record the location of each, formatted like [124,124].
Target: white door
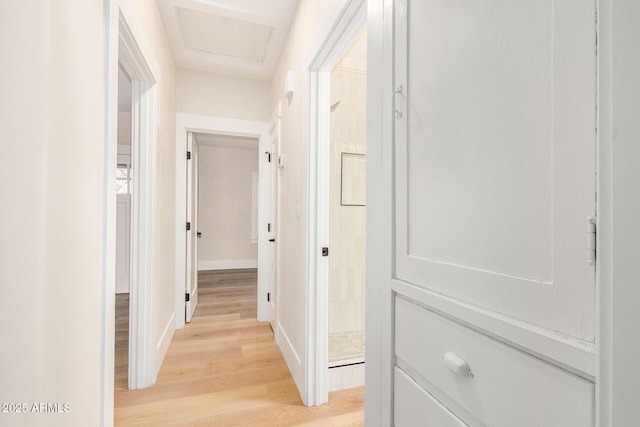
[274,225]
[123,243]
[191,293]
[490,170]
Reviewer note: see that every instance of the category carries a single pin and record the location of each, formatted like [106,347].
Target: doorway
[347,201]
[222,209]
[124,185]
[219,247]
[347,28]
[122,49]
[137,175]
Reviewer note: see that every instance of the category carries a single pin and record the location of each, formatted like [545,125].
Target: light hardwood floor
[223,369]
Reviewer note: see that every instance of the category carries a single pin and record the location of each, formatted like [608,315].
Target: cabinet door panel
[415,407]
[495,139]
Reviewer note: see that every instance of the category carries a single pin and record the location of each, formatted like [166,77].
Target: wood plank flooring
[223,369]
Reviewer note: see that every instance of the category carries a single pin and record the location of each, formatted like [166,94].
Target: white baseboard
[294,363]
[163,343]
[227,264]
[342,377]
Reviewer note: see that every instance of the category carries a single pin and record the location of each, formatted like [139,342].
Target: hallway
[224,369]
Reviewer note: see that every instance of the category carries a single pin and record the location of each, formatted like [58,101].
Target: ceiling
[236,37]
[226,141]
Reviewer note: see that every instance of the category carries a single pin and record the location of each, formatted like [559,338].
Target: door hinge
[399,113]
[268,296]
[269,227]
[591,240]
[186,297]
[188,155]
[188,226]
[325,251]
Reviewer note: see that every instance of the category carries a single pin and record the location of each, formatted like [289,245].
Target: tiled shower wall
[347,222]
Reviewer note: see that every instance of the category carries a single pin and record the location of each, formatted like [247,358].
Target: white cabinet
[492,179]
[504,386]
[417,408]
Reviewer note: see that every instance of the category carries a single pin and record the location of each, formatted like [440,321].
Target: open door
[273,225]
[191,291]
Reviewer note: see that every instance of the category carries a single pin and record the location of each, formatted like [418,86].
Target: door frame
[143,210]
[124,42]
[197,123]
[143,162]
[347,25]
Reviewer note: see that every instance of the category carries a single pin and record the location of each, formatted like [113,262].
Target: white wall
[51,116]
[225,204]
[311,24]
[156,46]
[223,96]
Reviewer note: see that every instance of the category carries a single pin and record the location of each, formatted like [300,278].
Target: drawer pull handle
[456,365]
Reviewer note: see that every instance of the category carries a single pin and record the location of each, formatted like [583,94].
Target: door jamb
[351,20]
[221,126]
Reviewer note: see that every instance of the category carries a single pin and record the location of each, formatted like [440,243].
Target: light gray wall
[225,204]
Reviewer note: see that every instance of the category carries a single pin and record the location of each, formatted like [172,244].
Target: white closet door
[495,139]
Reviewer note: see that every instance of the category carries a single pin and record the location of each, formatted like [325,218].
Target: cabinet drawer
[507,387]
[414,407]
